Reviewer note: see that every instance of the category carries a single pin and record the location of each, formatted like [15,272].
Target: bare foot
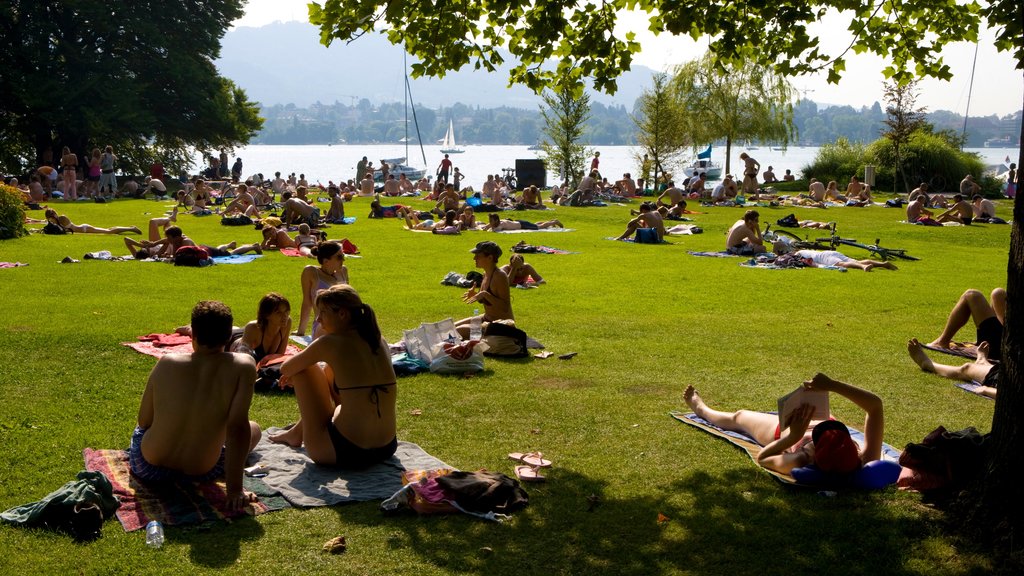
[136,230]
[232,245]
[291,437]
[918,356]
[694,401]
[983,353]
[888,266]
[174,215]
[940,344]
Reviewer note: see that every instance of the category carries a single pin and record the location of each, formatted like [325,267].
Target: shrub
[927,157]
[12,213]
[837,161]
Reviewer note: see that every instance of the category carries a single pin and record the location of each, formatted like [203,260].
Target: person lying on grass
[174,238]
[347,408]
[268,333]
[193,421]
[988,320]
[496,224]
[519,272]
[314,279]
[831,258]
[493,292]
[802,441]
[981,370]
[64,222]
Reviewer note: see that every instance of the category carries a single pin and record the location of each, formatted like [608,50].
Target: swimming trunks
[348,455]
[741,250]
[150,472]
[966,220]
[991,330]
[992,378]
[215,252]
[527,225]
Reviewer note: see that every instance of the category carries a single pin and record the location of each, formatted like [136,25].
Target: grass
[645,320]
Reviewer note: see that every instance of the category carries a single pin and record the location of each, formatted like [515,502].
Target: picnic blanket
[12,264]
[304,483]
[961,349]
[766,265]
[345,220]
[160,345]
[174,504]
[538,249]
[752,448]
[684,230]
[974,387]
[633,240]
[722,254]
[239,259]
[537,230]
[293,252]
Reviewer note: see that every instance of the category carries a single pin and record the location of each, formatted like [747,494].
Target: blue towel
[242,259]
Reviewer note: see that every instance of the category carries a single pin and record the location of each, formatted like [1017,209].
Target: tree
[661,131]
[564,120]
[137,75]
[582,39]
[902,121]
[721,100]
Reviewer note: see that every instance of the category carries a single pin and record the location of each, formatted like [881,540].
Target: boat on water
[704,163]
[535,147]
[448,145]
[397,165]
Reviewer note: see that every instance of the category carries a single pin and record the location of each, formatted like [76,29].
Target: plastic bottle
[154,534]
[474,326]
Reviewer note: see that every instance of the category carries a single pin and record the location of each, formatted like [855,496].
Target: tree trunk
[1001,501]
[728,155]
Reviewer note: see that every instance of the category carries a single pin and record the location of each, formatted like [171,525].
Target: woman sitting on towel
[268,333]
[346,408]
[69,226]
[331,271]
[800,441]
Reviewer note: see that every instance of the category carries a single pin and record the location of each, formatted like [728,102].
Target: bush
[927,157]
[12,213]
[837,162]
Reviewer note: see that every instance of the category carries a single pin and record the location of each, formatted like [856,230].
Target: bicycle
[881,252]
[793,241]
[509,176]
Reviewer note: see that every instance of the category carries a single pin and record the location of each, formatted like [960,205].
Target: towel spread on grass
[293,252]
[160,345]
[538,249]
[239,259]
[752,263]
[345,220]
[961,349]
[722,254]
[174,504]
[633,240]
[752,448]
[304,483]
[12,264]
[304,340]
[538,230]
[974,387]
[684,230]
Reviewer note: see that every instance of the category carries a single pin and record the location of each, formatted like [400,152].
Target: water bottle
[474,325]
[154,534]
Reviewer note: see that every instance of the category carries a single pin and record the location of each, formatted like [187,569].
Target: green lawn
[645,320]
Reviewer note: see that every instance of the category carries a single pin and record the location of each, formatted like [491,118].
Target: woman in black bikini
[346,408]
[268,333]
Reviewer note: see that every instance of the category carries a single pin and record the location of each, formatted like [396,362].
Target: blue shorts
[151,473]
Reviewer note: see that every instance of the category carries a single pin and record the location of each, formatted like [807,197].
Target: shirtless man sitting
[496,224]
[816,190]
[297,211]
[916,211]
[193,421]
[922,189]
[531,199]
[649,219]
[449,200]
[968,187]
[493,292]
[366,185]
[858,193]
[744,238]
[674,195]
[985,210]
[961,212]
[391,186]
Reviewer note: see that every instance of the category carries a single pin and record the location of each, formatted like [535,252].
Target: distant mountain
[284,63]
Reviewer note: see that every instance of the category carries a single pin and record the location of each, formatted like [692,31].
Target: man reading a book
[803,432]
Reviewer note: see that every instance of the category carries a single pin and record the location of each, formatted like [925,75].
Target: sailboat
[397,166]
[703,163]
[448,145]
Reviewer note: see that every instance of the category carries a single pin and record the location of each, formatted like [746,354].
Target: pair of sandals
[532,462]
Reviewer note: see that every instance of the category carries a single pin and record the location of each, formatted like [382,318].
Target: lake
[321,163]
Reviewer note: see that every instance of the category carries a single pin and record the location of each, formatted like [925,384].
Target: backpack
[236,220]
[505,340]
[945,462]
[52,228]
[191,256]
[788,221]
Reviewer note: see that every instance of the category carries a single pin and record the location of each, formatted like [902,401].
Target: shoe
[529,474]
[68,260]
[534,459]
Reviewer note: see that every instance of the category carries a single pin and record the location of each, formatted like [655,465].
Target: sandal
[534,459]
[529,474]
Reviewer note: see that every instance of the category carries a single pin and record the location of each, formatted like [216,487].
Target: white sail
[448,145]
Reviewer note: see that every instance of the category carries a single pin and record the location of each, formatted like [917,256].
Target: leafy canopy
[581,37]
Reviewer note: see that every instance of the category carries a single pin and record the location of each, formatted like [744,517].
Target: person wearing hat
[801,441]
[493,291]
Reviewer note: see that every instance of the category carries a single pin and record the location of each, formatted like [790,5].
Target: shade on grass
[645,319]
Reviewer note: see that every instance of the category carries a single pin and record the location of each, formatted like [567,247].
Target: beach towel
[304,483]
[752,448]
[974,387]
[766,265]
[722,254]
[160,345]
[961,349]
[293,252]
[240,259]
[538,230]
[172,504]
[345,220]
[685,229]
[633,240]
[538,249]
[303,341]
[12,264]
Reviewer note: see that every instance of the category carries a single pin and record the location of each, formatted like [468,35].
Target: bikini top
[375,390]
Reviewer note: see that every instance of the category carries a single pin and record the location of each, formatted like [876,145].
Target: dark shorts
[992,378]
[646,236]
[527,225]
[151,473]
[348,455]
[215,252]
[966,220]
[991,330]
[742,250]
[314,218]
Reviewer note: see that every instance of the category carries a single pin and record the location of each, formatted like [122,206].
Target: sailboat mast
[405,68]
[967,112]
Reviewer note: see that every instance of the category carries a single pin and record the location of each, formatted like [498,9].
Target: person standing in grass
[750,169]
[193,421]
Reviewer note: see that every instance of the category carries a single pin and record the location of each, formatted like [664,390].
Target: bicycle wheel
[937,184]
[512,182]
[788,235]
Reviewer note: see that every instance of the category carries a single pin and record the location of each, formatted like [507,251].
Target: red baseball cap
[834,450]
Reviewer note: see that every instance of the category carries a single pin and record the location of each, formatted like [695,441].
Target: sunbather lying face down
[801,441]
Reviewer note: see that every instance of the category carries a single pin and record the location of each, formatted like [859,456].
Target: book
[816,398]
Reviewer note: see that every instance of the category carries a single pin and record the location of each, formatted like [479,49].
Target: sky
[861,83]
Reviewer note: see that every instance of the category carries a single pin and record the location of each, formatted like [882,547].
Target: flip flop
[534,459]
[529,474]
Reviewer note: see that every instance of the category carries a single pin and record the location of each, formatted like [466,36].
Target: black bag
[484,492]
[267,379]
[52,228]
[236,221]
[788,221]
